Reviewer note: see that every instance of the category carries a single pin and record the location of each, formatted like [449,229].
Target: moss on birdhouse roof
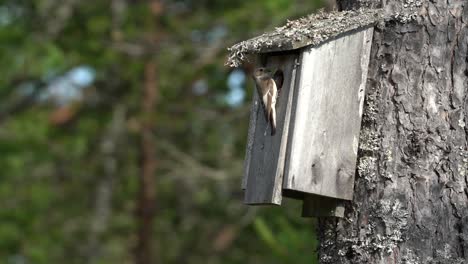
[307,31]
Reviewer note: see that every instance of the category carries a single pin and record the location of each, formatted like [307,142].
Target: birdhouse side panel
[326,118]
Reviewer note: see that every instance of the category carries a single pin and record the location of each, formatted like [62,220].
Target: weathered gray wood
[250,136]
[255,106]
[265,159]
[326,117]
[321,206]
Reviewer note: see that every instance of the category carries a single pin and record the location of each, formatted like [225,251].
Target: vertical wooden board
[254,107]
[326,117]
[250,137]
[264,163]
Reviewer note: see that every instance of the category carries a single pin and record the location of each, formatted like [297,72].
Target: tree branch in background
[105,186]
[16,104]
[146,193]
[56,14]
[187,164]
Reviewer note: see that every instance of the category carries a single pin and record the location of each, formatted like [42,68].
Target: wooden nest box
[323,61]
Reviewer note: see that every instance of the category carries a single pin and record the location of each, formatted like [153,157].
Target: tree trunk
[411,198]
[147,187]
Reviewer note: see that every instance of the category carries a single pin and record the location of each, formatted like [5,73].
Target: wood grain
[326,117]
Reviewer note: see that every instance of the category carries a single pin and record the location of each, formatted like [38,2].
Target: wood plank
[265,164]
[255,106]
[250,136]
[321,206]
[326,120]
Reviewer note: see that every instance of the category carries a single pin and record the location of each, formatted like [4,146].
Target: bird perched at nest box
[267,90]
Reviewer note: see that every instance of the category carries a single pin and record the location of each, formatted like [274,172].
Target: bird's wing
[272,94]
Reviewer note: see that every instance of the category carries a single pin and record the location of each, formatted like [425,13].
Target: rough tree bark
[411,198]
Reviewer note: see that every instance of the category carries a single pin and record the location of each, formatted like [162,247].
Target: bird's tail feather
[273,121]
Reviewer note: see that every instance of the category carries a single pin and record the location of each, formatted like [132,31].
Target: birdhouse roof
[311,30]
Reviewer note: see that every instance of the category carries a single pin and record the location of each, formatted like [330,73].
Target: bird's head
[262,72]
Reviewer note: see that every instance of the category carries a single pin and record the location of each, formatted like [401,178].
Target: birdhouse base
[317,205]
[321,206]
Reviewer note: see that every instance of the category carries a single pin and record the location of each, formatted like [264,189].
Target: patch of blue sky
[70,86]
[236,84]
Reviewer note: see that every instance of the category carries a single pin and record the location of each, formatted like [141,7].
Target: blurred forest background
[122,134]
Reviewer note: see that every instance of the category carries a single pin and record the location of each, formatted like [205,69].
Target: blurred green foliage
[69,177]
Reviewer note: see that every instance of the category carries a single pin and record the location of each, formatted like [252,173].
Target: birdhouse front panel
[266,149]
[326,116]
